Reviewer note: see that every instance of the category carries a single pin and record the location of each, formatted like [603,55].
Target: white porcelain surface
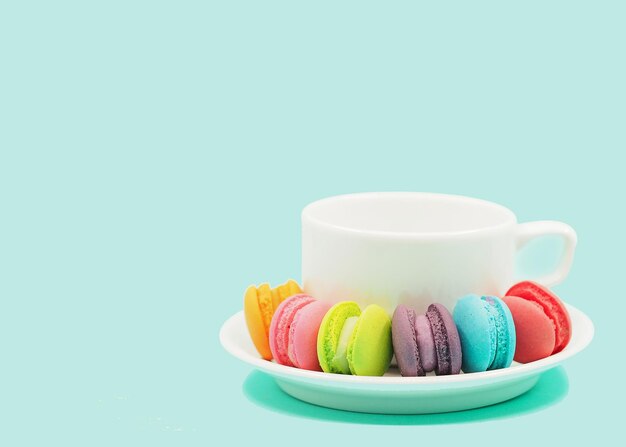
[408,395]
[416,248]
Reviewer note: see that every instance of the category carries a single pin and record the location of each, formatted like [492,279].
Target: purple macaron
[425,342]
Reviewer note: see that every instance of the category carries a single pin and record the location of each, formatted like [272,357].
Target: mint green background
[155,156]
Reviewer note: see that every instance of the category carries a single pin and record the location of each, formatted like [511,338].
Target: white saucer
[394,394]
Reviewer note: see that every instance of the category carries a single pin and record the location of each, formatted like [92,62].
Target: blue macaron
[487,333]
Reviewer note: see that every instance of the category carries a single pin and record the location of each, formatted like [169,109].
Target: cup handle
[531,230]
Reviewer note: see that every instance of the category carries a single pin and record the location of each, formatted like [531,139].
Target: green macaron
[353,342]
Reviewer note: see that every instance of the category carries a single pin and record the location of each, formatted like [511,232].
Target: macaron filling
[425,343]
[340,360]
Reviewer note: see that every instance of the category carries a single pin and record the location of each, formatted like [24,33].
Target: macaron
[543,323]
[293,331]
[426,342]
[259,304]
[353,342]
[487,333]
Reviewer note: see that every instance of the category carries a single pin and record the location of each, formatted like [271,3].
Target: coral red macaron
[541,320]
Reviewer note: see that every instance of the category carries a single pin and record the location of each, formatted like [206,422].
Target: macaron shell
[477,333]
[535,330]
[302,349]
[290,288]
[281,324]
[266,305]
[552,306]
[330,330]
[276,298]
[370,347]
[505,332]
[404,341]
[447,341]
[255,323]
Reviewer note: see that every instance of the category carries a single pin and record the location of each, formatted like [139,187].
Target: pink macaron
[293,331]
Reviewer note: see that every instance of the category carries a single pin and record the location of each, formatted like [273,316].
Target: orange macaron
[259,305]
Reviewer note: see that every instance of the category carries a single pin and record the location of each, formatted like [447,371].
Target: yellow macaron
[259,304]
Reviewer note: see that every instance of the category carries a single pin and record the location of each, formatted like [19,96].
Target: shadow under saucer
[552,387]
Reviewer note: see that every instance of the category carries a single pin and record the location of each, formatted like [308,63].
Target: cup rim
[307,215]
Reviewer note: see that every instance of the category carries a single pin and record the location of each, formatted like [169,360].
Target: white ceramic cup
[416,248]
